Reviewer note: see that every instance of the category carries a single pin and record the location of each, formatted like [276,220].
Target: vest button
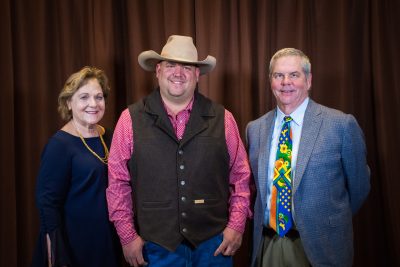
[181,167]
[184,214]
[183,199]
[183,182]
[184,230]
[180,152]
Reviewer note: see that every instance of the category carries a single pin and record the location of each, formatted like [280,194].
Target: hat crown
[177,49]
[180,48]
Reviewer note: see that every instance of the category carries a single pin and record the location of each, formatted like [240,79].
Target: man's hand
[230,244]
[133,252]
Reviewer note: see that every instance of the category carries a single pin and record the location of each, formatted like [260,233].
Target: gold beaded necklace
[102,159]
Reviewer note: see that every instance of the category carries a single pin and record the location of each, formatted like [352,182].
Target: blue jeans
[187,256]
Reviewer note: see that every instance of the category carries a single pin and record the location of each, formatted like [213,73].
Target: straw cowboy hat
[177,49]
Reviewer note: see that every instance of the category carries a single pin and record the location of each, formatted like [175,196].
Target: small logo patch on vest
[199,201]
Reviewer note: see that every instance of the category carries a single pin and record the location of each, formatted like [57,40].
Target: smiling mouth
[177,82]
[286,91]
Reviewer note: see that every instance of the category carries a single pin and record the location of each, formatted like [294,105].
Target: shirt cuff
[237,221]
[129,238]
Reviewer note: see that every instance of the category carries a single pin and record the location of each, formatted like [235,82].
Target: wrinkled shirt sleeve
[239,176]
[119,191]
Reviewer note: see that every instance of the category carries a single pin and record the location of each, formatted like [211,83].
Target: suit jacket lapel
[265,135]
[311,126]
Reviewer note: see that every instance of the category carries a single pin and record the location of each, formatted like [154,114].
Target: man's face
[177,81]
[289,83]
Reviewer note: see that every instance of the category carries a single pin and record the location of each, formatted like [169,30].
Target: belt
[291,234]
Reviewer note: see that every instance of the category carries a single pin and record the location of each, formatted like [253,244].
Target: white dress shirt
[296,126]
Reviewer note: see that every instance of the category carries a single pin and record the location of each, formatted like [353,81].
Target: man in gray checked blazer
[330,177]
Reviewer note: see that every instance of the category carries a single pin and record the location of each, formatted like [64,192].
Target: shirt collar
[187,109]
[297,115]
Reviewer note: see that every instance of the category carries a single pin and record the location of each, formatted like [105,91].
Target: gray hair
[284,52]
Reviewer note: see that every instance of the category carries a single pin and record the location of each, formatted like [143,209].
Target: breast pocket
[156,204]
[326,159]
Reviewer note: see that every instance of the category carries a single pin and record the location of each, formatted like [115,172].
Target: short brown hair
[76,81]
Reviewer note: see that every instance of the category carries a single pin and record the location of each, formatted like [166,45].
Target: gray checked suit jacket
[331,182]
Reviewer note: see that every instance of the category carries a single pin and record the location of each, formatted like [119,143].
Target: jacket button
[184,230]
[183,182]
[182,167]
[184,214]
[183,199]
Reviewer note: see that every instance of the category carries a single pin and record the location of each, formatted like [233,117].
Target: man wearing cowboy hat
[178,171]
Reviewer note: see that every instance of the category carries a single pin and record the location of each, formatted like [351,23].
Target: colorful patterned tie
[280,218]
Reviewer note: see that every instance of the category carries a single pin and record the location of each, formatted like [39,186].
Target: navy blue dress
[71,199]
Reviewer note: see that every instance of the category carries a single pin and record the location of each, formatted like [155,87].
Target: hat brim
[149,59]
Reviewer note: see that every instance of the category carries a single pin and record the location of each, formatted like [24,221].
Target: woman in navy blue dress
[70,194]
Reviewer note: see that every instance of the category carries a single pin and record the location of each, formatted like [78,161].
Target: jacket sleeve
[354,163]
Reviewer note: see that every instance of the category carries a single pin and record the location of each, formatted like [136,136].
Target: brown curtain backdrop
[353,46]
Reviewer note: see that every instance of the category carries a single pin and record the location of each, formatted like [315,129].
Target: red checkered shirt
[119,191]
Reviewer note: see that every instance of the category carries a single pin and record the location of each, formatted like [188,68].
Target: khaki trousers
[281,252]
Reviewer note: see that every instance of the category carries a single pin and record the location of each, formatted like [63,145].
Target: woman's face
[88,104]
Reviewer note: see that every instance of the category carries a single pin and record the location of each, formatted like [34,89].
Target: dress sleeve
[53,183]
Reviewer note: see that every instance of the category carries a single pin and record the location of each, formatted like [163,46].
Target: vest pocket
[156,204]
[207,202]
